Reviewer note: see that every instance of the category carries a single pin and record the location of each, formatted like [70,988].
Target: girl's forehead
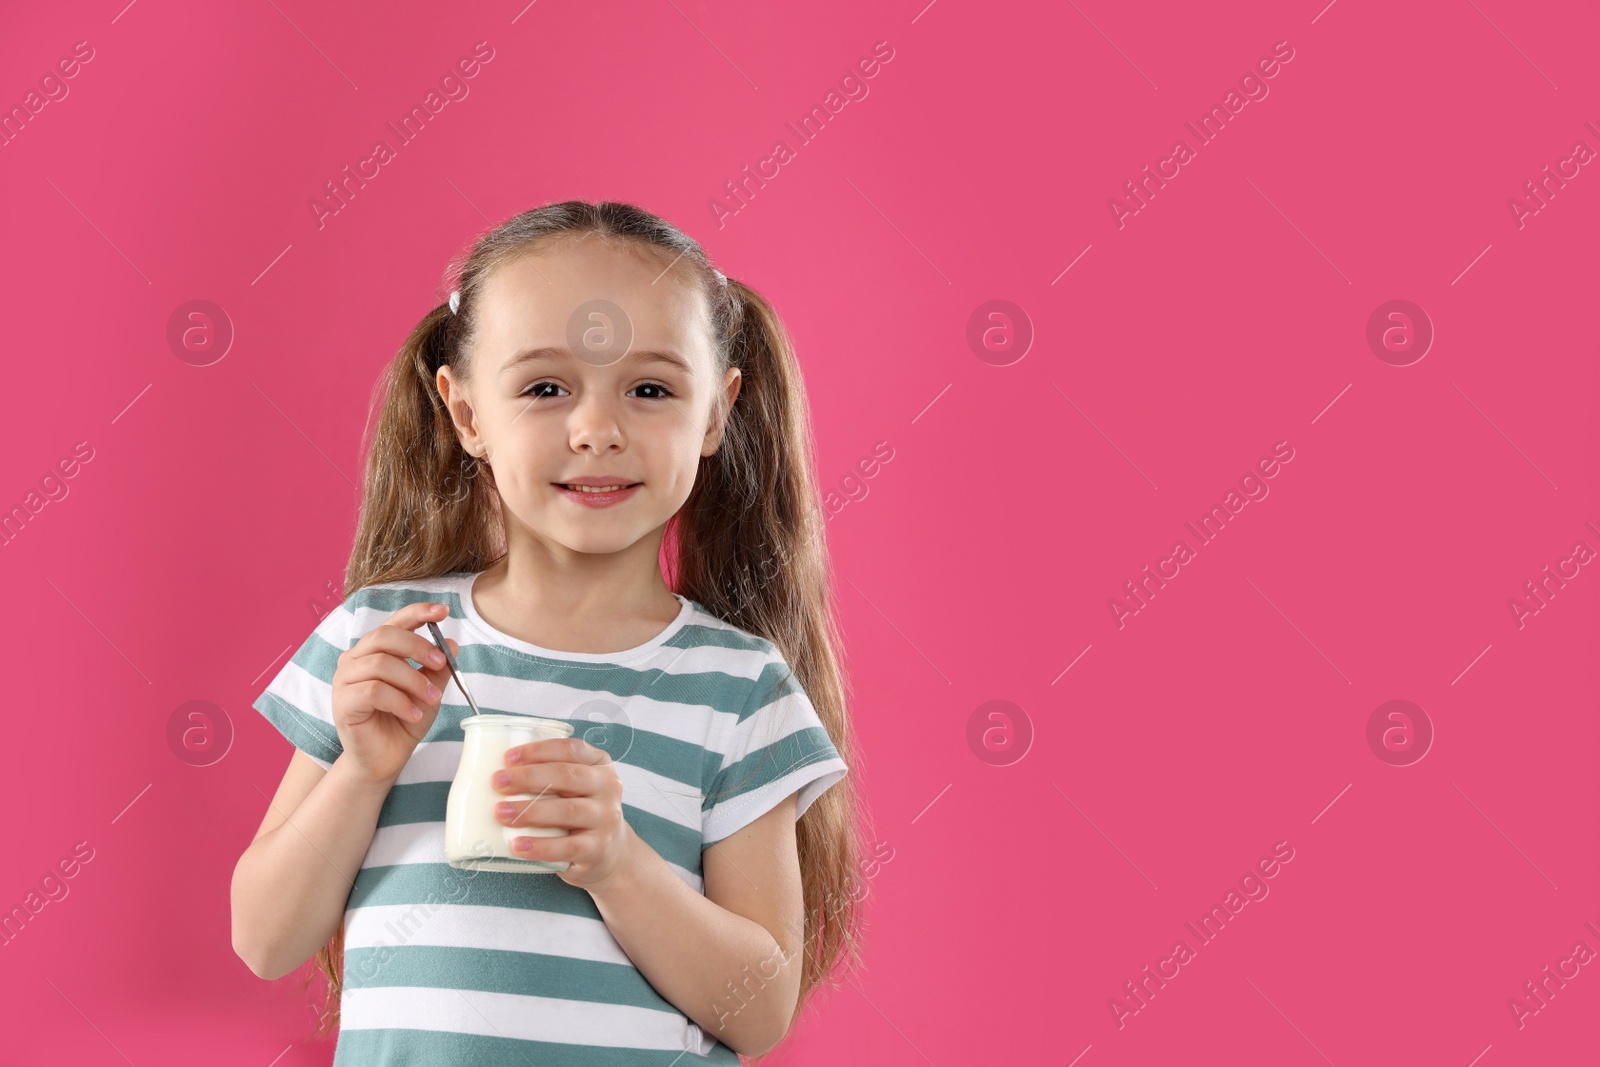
[538,298]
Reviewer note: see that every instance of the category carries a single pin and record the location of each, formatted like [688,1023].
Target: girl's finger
[395,641]
[563,779]
[549,848]
[414,615]
[573,813]
[395,672]
[384,698]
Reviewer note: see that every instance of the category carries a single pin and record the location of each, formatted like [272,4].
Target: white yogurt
[473,838]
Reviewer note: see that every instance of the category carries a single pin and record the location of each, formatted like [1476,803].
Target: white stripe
[474,926]
[423,842]
[664,797]
[431,761]
[510,1015]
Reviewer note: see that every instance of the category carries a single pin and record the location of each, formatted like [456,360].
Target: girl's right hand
[383,706]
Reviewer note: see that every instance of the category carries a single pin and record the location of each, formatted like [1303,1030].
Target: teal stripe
[529,974]
[424,802]
[433,884]
[776,681]
[304,731]
[390,601]
[678,761]
[694,634]
[418,802]
[318,656]
[429,1048]
[770,763]
[715,689]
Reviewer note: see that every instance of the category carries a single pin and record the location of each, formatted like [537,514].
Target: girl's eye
[536,390]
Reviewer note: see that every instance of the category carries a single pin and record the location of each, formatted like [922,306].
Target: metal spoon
[450,661]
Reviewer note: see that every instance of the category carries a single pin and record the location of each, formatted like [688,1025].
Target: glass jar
[473,838]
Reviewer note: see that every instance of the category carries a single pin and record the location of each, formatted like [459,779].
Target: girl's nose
[594,425]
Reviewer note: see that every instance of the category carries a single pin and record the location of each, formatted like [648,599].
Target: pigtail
[751,550]
[427,506]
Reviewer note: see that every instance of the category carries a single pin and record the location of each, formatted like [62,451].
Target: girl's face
[590,361]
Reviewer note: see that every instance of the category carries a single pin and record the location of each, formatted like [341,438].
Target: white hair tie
[455,301]
[722,279]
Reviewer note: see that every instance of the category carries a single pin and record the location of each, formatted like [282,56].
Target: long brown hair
[748,543]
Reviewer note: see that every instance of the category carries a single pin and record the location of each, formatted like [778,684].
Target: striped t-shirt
[708,730]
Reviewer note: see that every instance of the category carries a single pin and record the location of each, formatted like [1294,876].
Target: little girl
[710,882]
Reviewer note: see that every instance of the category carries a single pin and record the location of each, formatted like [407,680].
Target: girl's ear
[460,409]
[721,410]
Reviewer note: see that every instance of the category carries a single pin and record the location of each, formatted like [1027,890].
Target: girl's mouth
[598,496]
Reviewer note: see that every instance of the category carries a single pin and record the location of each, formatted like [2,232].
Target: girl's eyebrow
[647,356]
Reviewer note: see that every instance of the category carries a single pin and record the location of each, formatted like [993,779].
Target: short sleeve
[777,746]
[299,701]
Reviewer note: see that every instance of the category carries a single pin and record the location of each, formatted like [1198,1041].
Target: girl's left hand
[576,786]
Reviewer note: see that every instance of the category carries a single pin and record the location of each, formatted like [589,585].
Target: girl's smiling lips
[601,492]
[598,480]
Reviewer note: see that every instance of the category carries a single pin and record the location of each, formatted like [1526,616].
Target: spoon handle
[438,639]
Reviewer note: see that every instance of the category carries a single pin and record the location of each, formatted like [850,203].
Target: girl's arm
[730,959]
[291,885]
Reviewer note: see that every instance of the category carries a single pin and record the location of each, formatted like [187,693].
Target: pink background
[190,553]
